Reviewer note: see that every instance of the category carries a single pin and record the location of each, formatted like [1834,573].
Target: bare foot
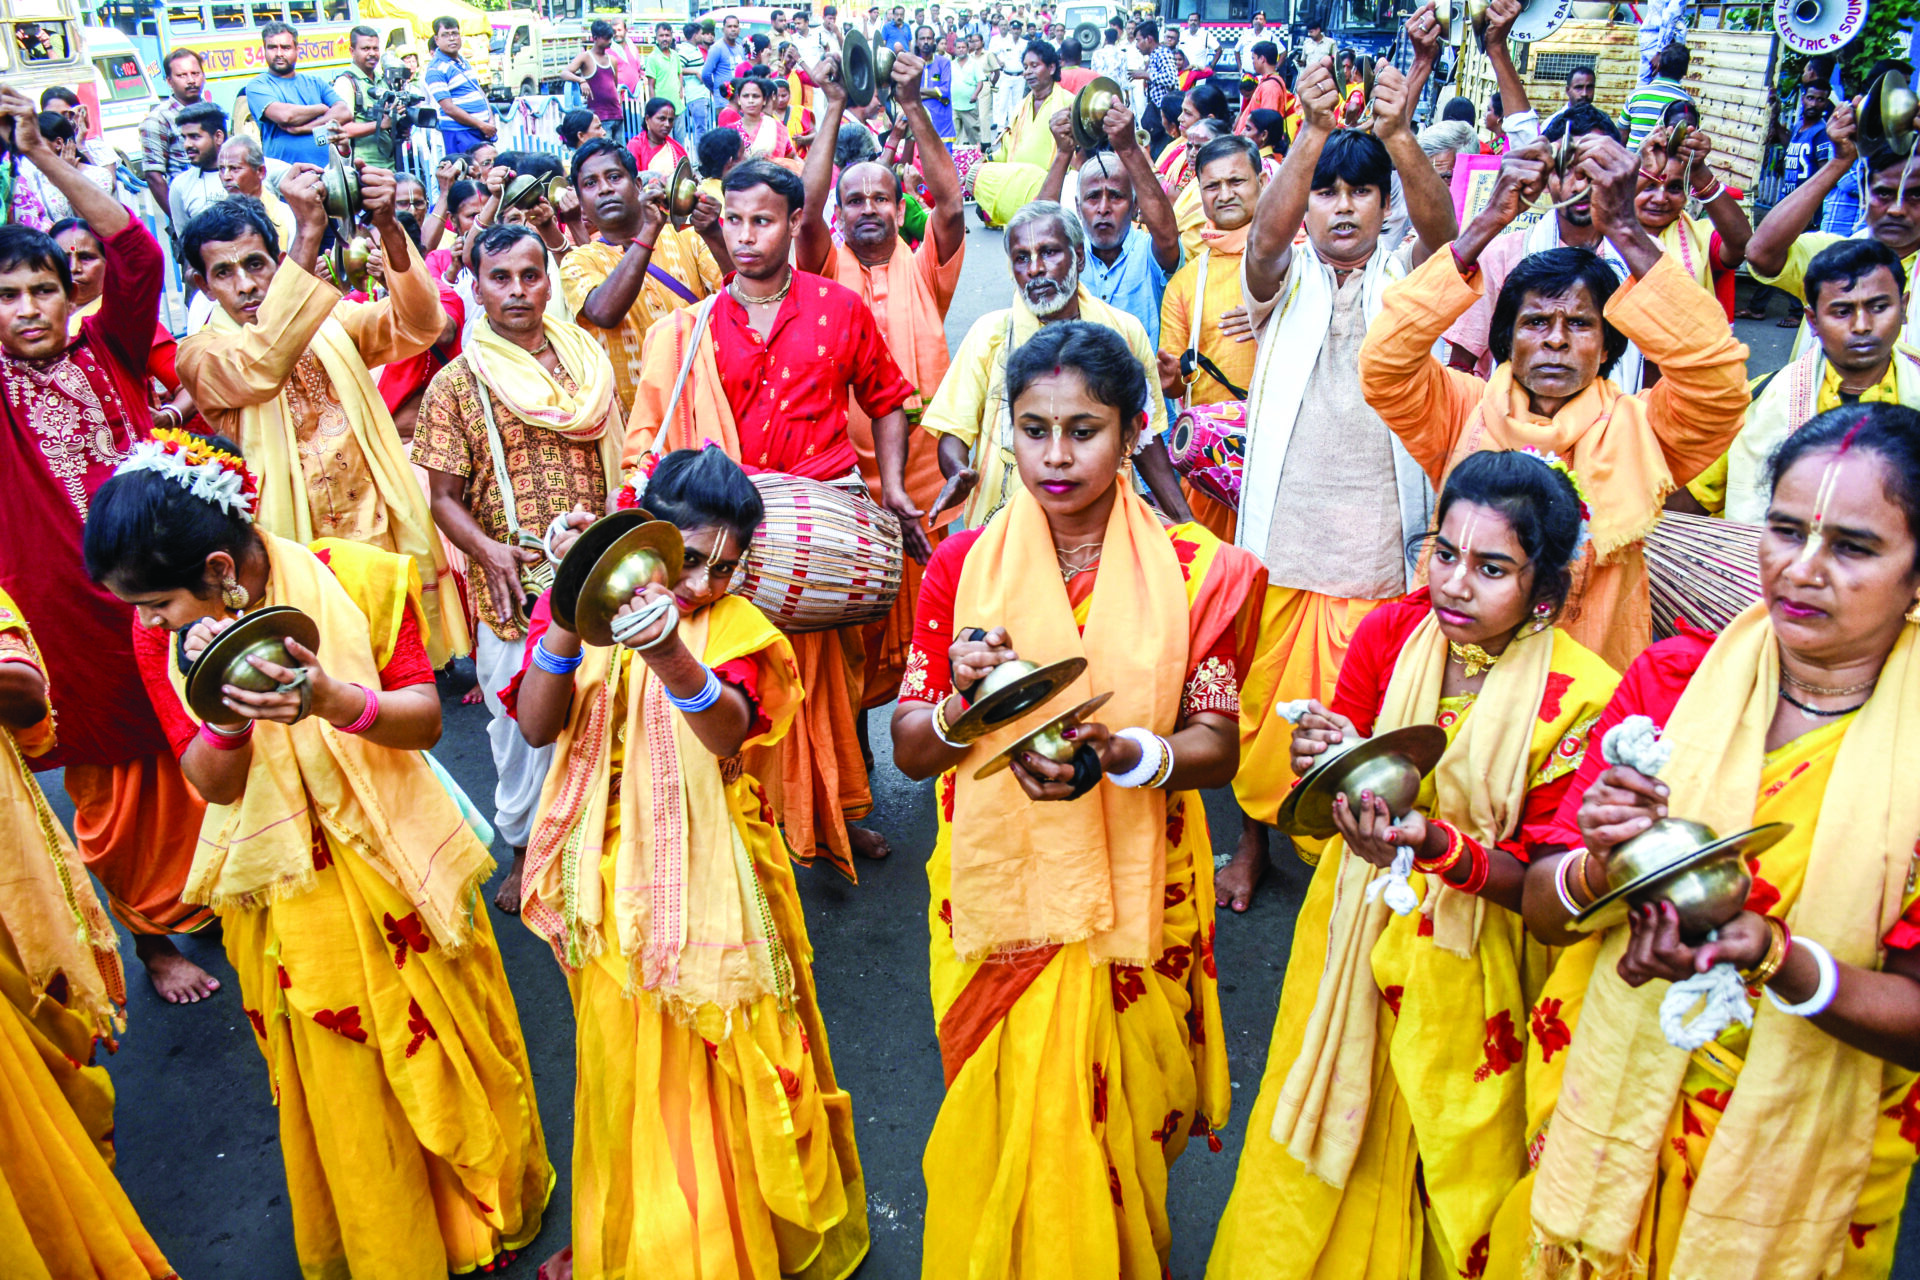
[559,1266]
[472,697]
[507,897]
[1233,884]
[177,979]
[868,844]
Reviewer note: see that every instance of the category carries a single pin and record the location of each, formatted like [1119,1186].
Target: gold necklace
[1821,690]
[1068,572]
[1472,658]
[749,300]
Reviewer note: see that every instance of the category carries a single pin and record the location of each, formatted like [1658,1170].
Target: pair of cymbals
[865,70]
[1390,765]
[615,558]
[261,634]
[1088,114]
[1704,877]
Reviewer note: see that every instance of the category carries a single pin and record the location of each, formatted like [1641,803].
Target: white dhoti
[522,768]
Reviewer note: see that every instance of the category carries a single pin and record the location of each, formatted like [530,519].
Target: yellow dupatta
[1480,785]
[47,903]
[525,387]
[274,455]
[1616,453]
[1029,875]
[688,909]
[1806,1107]
[385,805]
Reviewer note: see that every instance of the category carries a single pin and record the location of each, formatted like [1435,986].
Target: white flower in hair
[209,474]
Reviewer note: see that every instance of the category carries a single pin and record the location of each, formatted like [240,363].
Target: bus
[41,47]
[226,35]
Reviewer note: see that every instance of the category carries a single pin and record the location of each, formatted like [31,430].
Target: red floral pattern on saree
[1502,1047]
[1550,1031]
[418,1027]
[1129,985]
[404,935]
[343,1022]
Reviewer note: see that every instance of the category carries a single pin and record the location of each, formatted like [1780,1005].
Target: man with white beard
[1046,251]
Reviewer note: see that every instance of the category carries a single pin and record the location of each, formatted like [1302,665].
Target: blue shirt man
[936,85]
[897,34]
[288,105]
[727,54]
[451,83]
[1133,282]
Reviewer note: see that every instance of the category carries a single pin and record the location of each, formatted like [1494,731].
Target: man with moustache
[1317,458]
[764,369]
[1206,337]
[291,105]
[1128,263]
[1047,251]
[162,152]
[1855,304]
[935,90]
[558,426]
[203,129]
[638,267]
[908,291]
[1013,177]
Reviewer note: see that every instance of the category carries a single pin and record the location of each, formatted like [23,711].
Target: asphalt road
[196,1127]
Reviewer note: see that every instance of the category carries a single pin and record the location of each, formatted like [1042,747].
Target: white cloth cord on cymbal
[1399,895]
[558,526]
[1635,743]
[632,624]
[1722,998]
[1292,711]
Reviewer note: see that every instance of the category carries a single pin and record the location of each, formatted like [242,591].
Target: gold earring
[1913,614]
[233,595]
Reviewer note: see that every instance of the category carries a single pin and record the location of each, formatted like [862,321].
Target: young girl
[710,1135]
[343,873]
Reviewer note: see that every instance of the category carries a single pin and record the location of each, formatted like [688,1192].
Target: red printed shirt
[789,393]
[1213,677]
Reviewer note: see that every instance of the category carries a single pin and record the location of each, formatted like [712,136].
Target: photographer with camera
[375,108]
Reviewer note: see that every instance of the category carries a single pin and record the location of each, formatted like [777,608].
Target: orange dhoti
[1303,639]
[136,825]
[816,777]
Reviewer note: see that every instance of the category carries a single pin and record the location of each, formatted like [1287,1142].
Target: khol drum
[825,557]
[1208,445]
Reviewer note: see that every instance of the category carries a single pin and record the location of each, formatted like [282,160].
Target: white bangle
[1153,754]
[1816,1004]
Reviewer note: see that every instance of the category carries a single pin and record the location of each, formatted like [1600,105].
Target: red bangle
[644,245]
[1481,868]
[1466,272]
[220,740]
[368,714]
[1441,865]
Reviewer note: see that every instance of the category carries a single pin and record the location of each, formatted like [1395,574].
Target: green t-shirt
[664,70]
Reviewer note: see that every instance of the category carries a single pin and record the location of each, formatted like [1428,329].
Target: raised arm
[1150,200]
[815,242]
[409,319]
[947,220]
[1722,209]
[1283,204]
[1424,403]
[1066,155]
[1773,238]
[1429,202]
[608,303]
[102,211]
[1522,125]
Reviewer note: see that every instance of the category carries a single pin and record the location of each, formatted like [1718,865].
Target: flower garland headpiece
[1555,462]
[636,486]
[208,472]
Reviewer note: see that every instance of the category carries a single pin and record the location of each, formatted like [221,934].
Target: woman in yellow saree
[1014,176]
[343,873]
[1780,1149]
[1071,918]
[1390,1124]
[710,1137]
[62,1214]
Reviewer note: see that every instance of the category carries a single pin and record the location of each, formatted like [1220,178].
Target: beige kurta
[294,390]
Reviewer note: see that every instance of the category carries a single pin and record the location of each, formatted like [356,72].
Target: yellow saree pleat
[63,1216]
[1073,1109]
[1793,785]
[407,1116]
[722,1147]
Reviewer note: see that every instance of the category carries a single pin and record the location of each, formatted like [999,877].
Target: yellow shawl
[702,415]
[1480,786]
[47,903]
[1028,875]
[523,385]
[1689,242]
[274,455]
[688,909]
[385,805]
[1780,1181]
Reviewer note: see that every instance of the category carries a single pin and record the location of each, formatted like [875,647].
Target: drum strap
[1193,359]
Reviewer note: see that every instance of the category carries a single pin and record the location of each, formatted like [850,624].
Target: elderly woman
[1711,248]
[1391,1122]
[1072,904]
[1781,1149]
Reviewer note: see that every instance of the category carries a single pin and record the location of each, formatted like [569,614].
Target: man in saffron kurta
[1203,315]
[283,370]
[1550,390]
[1270,92]
[69,412]
[638,268]
[774,359]
[908,290]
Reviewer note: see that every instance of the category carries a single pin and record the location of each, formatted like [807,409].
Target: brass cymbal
[883,74]
[1390,765]
[522,191]
[556,187]
[1049,739]
[574,567]
[683,193]
[1004,698]
[261,634]
[1089,112]
[652,552]
[341,182]
[1681,862]
[1887,114]
[857,70]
